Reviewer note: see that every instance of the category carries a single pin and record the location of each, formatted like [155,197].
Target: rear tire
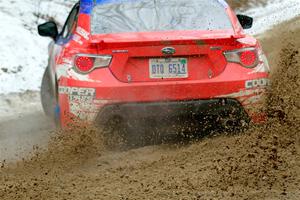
[48,99]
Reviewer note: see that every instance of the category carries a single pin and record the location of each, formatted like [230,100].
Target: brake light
[247,57]
[85,63]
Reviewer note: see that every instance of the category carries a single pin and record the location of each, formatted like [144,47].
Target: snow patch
[19,104]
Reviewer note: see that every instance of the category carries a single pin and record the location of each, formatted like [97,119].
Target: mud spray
[262,163]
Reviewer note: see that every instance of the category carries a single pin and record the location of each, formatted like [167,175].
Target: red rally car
[162,60]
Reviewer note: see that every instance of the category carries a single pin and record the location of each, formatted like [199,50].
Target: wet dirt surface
[244,4]
[261,163]
[18,136]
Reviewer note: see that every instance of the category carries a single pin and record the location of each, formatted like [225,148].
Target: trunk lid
[143,57]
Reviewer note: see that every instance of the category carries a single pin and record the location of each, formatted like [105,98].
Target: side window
[71,22]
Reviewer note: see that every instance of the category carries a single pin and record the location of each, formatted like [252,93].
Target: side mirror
[48,29]
[245,21]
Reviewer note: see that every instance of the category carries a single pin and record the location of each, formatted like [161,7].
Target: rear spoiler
[158,38]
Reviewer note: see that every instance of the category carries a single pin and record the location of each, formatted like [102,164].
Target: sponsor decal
[83,107]
[264,82]
[82,102]
[77,39]
[91,92]
[82,32]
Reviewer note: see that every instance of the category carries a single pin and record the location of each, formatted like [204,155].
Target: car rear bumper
[89,100]
[249,103]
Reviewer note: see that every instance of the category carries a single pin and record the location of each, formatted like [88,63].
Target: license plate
[168,68]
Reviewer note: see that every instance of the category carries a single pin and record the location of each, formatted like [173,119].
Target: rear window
[118,16]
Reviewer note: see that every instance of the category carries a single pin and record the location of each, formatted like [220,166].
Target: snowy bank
[23,54]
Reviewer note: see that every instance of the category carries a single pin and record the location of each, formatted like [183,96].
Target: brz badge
[168,51]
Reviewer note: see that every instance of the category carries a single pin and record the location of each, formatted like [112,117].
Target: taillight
[85,63]
[247,57]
